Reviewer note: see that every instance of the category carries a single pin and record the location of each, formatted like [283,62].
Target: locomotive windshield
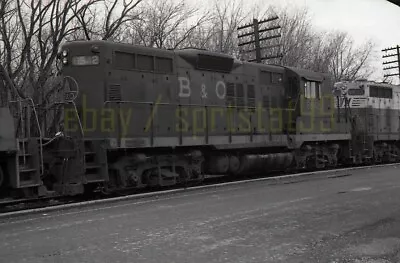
[312,90]
[355,92]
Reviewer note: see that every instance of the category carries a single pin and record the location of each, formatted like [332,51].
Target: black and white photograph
[187,131]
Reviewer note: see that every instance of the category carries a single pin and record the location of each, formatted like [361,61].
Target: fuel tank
[257,163]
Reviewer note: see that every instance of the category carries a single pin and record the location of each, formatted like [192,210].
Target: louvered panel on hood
[114,92]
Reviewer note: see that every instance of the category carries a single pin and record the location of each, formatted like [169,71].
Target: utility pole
[255,37]
[397,60]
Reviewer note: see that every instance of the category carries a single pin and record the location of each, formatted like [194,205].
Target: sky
[363,19]
[378,20]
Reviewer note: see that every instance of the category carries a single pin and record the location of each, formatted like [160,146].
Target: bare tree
[33,32]
[32,35]
[320,53]
[105,21]
[30,38]
[297,37]
[5,13]
[164,24]
[348,61]
[228,17]
[305,47]
[221,34]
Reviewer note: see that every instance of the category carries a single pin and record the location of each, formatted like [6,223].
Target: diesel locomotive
[135,117]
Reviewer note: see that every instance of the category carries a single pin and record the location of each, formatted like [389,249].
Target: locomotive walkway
[348,219]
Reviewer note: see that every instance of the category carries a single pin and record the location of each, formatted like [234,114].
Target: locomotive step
[92,166]
[23,140]
[26,155]
[93,178]
[89,153]
[27,170]
[29,183]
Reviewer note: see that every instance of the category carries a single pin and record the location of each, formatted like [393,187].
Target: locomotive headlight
[95,49]
[65,53]
[65,61]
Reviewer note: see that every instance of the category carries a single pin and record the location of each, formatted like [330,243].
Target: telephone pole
[255,36]
[392,63]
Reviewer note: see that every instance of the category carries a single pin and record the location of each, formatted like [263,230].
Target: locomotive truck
[138,117]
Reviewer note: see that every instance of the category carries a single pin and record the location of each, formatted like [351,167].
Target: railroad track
[8,206]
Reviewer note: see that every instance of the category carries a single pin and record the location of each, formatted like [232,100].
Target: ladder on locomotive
[30,149]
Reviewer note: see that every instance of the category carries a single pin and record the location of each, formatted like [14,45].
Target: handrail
[21,98]
[79,119]
[40,136]
[22,128]
[38,127]
[180,105]
[71,101]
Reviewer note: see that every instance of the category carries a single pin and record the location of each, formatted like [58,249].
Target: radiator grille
[114,93]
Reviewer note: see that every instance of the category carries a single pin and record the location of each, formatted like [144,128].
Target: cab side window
[312,90]
[380,92]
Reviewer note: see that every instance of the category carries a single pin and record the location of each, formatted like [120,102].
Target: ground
[347,219]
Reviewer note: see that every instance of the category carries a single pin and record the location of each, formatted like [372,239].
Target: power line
[254,38]
[396,54]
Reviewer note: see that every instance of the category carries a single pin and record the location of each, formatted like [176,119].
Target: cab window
[355,92]
[312,90]
[380,92]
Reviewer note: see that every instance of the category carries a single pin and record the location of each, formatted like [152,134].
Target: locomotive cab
[311,102]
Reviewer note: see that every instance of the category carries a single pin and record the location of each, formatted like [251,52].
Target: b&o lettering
[220,90]
[184,87]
